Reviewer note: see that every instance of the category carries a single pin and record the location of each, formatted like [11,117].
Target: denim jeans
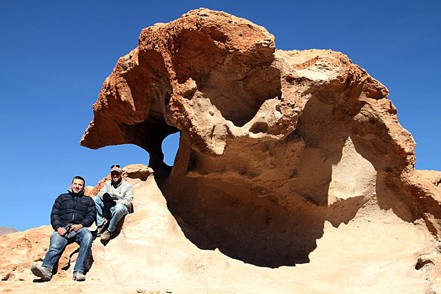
[57,244]
[113,213]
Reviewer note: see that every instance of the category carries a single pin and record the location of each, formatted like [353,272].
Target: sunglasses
[115,165]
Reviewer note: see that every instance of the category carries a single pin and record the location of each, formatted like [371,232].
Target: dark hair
[79,178]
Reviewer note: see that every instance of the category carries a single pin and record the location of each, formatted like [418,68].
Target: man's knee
[86,234]
[57,242]
[98,202]
[121,209]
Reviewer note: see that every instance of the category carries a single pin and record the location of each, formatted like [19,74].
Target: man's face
[115,176]
[77,185]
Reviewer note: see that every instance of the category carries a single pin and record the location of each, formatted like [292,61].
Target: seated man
[71,214]
[113,202]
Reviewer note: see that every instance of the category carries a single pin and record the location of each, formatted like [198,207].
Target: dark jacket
[70,208]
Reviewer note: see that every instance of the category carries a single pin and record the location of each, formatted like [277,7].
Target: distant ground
[4,231]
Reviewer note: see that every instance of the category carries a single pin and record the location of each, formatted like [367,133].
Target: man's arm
[127,195]
[90,214]
[55,214]
[104,189]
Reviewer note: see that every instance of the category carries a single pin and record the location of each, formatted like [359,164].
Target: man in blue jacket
[71,214]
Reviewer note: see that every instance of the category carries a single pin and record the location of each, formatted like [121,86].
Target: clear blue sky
[55,56]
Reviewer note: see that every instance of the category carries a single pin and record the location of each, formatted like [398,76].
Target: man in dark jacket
[71,214]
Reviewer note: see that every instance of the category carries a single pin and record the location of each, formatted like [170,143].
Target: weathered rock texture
[292,162]
[375,252]
[273,143]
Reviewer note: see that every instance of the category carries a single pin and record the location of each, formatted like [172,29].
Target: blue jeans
[57,244]
[113,213]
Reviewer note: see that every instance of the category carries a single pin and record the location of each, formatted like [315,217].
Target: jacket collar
[116,184]
[75,194]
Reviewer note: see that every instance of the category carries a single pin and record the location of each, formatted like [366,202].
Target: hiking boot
[101,229]
[42,272]
[105,237]
[79,276]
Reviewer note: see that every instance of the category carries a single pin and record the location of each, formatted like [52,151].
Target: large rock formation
[292,169]
[273,144]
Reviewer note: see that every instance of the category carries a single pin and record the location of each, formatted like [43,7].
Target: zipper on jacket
[73,214]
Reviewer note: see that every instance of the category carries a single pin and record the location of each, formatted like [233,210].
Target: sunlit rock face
[19,250]
[273,143]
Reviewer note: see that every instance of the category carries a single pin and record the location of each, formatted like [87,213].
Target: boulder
[273,145]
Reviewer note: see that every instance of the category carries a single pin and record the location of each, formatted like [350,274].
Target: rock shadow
[262,202]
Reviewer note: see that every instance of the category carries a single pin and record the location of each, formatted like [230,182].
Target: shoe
[42,272]
[101,229]
[105,237]
[79,276]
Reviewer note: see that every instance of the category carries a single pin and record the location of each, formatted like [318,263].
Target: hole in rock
[103,158]
[421,263]
[259,127]
[170,147]
[150,135]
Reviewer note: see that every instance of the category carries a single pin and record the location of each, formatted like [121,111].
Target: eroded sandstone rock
[273,143]
[19,250]
[375,252]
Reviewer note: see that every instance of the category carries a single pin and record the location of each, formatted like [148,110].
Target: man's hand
[62,231]
[107,197]
[76,227]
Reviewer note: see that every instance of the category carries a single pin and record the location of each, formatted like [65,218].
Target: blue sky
[55,56]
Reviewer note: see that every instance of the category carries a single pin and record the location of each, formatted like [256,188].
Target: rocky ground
[375,252]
